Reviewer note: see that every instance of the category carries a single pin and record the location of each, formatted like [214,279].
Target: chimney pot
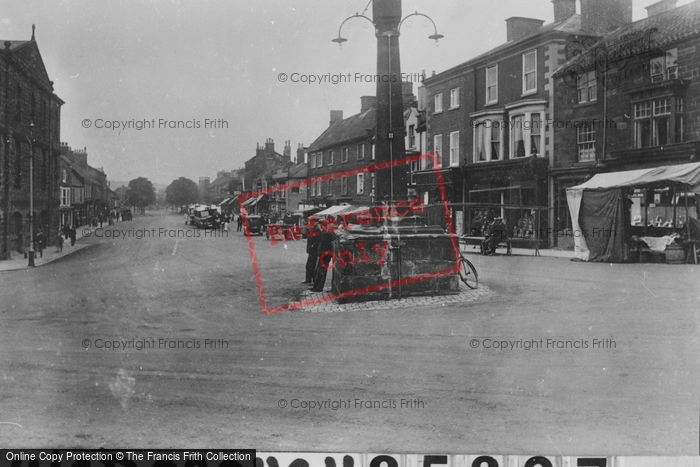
[563,9]
[603,16]
[661,7]
[336,116]
[517,27]
[367,102]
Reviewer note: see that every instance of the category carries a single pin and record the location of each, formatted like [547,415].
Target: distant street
[636,393]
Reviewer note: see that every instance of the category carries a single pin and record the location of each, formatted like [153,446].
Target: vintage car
[255,225]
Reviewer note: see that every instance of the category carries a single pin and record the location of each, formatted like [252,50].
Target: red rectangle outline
[398,283]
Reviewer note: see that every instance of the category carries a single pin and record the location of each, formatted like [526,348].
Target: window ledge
[585,104]
[491,104]
[529,93]
[454,108]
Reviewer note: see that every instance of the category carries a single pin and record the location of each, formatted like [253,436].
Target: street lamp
[389,115]
[30,138]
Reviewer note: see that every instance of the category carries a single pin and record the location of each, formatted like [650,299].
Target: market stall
[613,210]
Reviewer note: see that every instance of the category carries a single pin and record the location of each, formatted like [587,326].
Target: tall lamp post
[389,114]
[30,138]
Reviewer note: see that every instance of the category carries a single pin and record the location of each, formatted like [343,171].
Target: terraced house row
[552,106]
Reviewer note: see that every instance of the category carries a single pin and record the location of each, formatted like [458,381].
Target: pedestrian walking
[39,243]
[59,243]
[66,231]
[72,233]
[240,222]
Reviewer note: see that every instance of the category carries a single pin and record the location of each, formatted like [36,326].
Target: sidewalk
[552,253]
[18,260]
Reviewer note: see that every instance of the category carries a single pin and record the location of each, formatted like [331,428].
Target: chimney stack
[269,145]
[602,16]
[517,27]
[660,7]
[563,9]
[300,154]
[336,116]
[367,102]
[407,94]
[287,149]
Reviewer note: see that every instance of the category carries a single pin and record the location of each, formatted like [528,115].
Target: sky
[147,63]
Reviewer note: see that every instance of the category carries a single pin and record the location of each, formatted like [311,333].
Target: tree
[140,193]
[182,191]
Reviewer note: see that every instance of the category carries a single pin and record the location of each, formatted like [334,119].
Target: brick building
[346,145]
[30,117]
[72,197]
[487,117]
[630,101]
[95,204]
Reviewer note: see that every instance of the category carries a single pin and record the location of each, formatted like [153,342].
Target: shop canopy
[597,207]
[252,201]
[335,210]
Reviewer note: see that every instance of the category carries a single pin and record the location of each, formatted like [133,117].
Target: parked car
[255,225]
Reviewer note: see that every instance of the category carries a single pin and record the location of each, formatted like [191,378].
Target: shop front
[515,190]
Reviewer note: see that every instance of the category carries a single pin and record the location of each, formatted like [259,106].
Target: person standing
[59,243]
[325,245]
[312,240]
[240,222]
[39,243]
[66,231]
[72,233]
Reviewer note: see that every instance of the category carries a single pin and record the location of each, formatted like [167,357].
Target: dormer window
[665,66]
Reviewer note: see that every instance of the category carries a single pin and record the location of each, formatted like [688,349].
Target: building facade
[30,115]
[630,101]
[348,145]
[488,118]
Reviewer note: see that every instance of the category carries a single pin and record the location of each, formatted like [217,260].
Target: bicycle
[467,272]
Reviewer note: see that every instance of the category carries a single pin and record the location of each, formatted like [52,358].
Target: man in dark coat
[73,234]
[498,232]
[312,240]
[324,245]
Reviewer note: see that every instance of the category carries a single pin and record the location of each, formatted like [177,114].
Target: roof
[667,27]
[348,129]
[687,175]
[571,25]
